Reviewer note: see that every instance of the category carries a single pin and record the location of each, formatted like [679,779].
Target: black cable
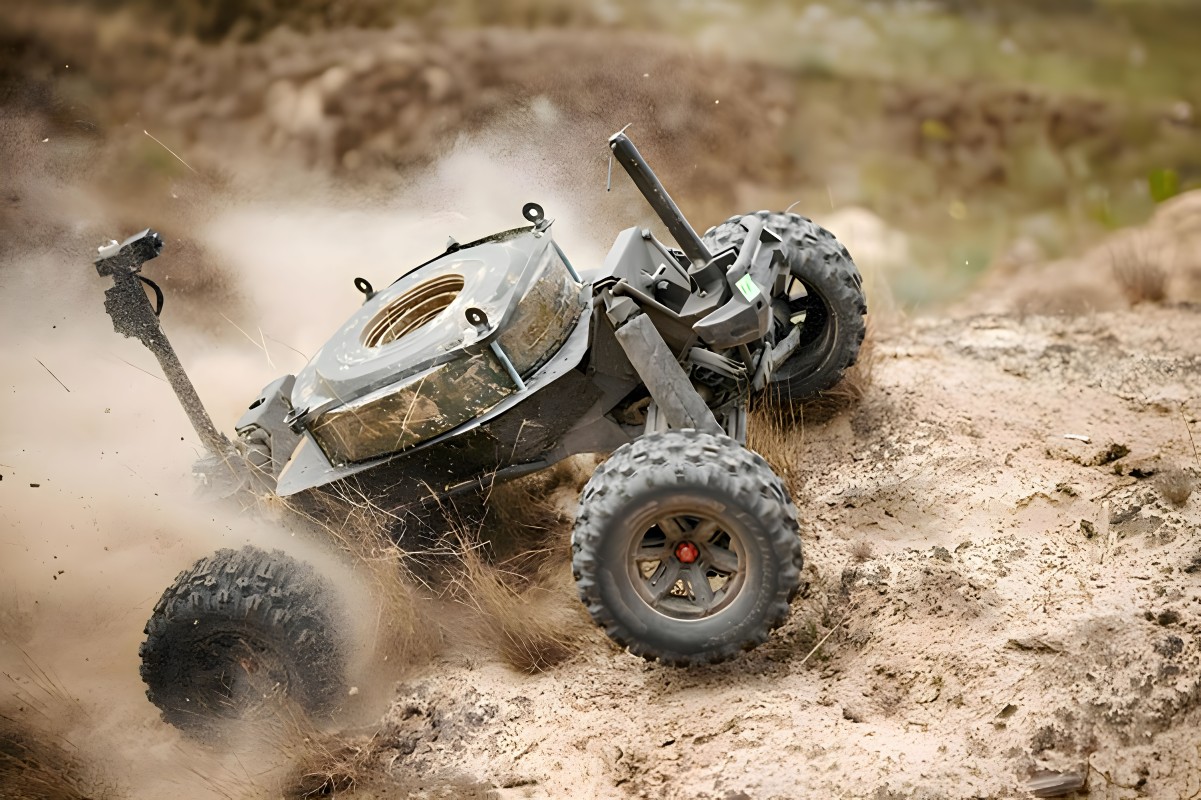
[158,294]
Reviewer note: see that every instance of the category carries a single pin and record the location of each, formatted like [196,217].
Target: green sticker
[748,287]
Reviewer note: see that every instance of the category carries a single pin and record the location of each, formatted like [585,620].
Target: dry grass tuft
[395,578]
[862,550]
[511,569]
[525,524]
[299,760]
[327,764]
[532,625]
[776,429]
[1175,484]
[852,387]
[1138,269]
[501,555]
[856,381]
[44,766]
[778,434]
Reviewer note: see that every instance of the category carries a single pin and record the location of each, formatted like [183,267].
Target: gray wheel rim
[659,569]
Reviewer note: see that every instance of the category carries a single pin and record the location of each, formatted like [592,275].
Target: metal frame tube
[644,178]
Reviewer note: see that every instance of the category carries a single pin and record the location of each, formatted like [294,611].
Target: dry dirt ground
[998,583]
[991,598]
[1024,601]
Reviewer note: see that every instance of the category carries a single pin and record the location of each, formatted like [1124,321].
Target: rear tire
[686,548]
[833,303]
[239,632]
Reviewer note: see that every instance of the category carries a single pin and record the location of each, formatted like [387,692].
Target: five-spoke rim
[687,565]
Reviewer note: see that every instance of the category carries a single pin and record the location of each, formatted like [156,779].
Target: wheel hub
[687,564]
[687,552]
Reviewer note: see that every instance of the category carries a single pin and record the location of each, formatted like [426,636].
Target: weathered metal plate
[545,306]
[396,418]
[544,317]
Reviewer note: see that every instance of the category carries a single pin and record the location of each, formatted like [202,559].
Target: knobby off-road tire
[662,500]
[833,302]
[237,633]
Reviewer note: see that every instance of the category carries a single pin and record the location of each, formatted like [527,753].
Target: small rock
[1055,784]
[333,79]
[309,109]
[1170,647]
[1035,645]
[1125,515]
[1088,455]
[1112,454]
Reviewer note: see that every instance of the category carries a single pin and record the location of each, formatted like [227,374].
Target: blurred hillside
[968,125]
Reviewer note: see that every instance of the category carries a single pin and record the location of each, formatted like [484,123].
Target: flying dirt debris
[495,360]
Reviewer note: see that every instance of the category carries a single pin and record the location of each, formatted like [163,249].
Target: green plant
[1164,184]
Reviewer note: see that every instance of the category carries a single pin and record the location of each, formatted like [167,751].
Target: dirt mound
[358,102]
[364,100]
[987,601]
[1159,262]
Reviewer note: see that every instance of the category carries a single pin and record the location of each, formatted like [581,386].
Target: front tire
[686,548]
[824,298]
[238,632]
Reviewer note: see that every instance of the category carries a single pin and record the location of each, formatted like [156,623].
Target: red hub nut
[687,552]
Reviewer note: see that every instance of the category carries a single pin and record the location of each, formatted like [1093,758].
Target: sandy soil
[1029,601]
[1032,602]
[987,598]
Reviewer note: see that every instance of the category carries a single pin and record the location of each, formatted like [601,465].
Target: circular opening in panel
[413,309]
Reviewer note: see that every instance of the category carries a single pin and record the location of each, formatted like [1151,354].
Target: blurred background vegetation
[972,126]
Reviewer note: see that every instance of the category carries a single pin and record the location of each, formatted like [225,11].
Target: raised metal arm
[133,316]
[644,178]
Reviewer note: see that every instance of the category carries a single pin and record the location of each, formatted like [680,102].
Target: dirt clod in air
[1175,484]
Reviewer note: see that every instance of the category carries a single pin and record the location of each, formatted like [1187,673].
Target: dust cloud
[98,507]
